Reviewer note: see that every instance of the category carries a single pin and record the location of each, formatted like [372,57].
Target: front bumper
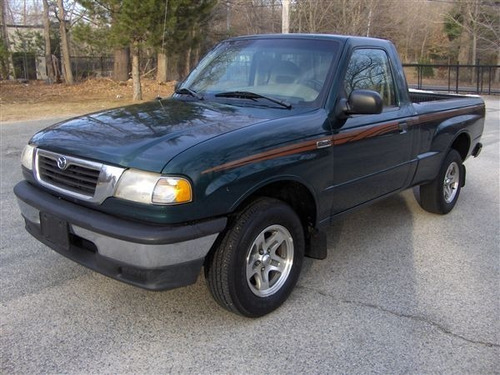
[146,255]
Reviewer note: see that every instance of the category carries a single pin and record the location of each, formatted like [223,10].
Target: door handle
[403,127]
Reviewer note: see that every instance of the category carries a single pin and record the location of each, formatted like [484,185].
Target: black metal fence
[475,79]
[24,65]
[102,66]
[91,66]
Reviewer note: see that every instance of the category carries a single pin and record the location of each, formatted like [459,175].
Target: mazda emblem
[62,163]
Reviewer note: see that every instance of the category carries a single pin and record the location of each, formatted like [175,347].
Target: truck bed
[419,96]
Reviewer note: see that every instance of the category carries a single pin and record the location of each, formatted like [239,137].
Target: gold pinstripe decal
[353,135]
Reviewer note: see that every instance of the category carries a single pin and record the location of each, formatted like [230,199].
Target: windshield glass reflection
[293,70]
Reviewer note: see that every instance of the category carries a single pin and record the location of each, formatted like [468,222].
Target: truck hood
[147,136]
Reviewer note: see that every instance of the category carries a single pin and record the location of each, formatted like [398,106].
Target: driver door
[371,152]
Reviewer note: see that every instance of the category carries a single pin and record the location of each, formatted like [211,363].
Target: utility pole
[285,18]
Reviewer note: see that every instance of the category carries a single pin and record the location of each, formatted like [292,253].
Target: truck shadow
[370,255]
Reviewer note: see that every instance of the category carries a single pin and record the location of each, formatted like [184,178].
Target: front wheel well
[301,200]
[295,195]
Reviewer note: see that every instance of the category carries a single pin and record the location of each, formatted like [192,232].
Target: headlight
[147,187]
[27,157]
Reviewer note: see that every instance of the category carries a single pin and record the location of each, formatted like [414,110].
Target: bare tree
[478,23]
[66,63]
[313,16]
[350,17]
[48,47]
[415,27]
[250,17]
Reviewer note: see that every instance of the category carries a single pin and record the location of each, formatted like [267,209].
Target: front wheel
[441,195]
[257,261]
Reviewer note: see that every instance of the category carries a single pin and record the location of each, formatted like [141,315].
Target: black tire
[264,241]
[441,195]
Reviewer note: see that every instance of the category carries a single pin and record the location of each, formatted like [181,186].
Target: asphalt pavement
[402,291]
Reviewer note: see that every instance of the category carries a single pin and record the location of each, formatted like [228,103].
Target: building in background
[27,48]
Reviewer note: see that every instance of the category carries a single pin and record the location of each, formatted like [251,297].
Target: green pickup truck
[267,141]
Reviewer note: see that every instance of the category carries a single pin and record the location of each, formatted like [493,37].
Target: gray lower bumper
[152,257]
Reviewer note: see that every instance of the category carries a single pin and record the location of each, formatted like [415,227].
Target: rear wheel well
[462,145]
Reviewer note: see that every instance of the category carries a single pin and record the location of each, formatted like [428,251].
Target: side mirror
[360,102]
[365,102]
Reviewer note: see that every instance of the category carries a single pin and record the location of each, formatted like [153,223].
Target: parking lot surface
[402,291]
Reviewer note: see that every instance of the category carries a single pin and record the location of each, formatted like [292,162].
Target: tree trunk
[423,49]
[189,53]
[48,50]
[474,56]
[66,63]
[172,68]
[25,13]
[161,72]
[187,63]
[8,69]
[370,15]
[121,64]
[136,75]
[497,71]
[195,50]
[195,59]
[475,32]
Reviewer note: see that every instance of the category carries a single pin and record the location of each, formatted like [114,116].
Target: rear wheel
[257,261]
[441,195]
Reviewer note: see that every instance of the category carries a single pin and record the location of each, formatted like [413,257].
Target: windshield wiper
[186,91]
[253,96]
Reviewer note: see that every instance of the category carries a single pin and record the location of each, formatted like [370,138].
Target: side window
[369,69]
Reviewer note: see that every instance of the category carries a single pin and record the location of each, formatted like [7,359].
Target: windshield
[292,70]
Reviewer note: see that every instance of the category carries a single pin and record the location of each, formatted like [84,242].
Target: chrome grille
[75,178]
[78,178]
